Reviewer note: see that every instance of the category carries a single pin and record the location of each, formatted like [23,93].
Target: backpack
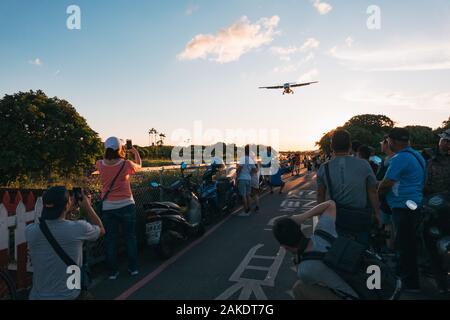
[353,263]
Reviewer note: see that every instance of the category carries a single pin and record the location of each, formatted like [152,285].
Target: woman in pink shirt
[118,203]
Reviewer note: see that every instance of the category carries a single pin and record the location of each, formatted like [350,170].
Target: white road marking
[249,286]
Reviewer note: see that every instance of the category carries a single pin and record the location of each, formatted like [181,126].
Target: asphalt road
[236,259]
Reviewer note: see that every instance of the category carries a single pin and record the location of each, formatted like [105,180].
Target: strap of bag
[327,175]
[418,160]
[113,181]
[313,255]
[325,236]
[55,245]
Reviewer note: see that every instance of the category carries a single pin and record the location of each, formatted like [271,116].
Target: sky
[194,67]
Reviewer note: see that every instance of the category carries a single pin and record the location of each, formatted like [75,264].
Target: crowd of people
[355,193]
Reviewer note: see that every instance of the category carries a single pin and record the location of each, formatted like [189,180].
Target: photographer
[317,281]
[118,206]
[49,269]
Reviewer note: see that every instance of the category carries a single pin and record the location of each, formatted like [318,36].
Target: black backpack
[351,260]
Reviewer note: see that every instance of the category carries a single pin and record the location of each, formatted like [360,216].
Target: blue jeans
[112,219]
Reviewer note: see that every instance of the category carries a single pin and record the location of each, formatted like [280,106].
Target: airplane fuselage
[287,89]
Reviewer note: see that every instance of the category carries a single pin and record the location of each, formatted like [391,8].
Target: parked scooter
[217,196]
[170,223]
[434,231]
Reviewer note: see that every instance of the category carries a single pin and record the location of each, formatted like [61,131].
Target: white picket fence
[17,222]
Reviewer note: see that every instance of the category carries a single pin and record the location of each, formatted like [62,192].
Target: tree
[160,142]
[44,137]
[422,137]
[372,122]
[367,128]
[152,133]
[446,124]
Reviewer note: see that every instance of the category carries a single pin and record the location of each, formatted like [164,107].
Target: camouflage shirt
[439,174]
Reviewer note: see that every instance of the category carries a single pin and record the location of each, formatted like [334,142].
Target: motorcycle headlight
[444,245]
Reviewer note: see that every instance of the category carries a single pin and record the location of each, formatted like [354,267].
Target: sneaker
[133,273]
[114,276]
[256,209]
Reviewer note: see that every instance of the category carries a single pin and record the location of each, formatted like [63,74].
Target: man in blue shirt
[404,182]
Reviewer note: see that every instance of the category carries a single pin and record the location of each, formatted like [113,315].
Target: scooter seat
[162,205]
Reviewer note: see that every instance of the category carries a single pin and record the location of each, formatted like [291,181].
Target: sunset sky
[139,64]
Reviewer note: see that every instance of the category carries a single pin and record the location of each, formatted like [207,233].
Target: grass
[148,163]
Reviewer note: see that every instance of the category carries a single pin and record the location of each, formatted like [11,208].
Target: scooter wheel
[165,247]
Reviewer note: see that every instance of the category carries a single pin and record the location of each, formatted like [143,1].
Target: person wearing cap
[49,270]
[404,183]
[118,207]
[439,170]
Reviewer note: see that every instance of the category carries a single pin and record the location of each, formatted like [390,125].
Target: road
[236,259]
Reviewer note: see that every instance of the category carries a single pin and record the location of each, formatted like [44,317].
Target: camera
[129,145]
[78,194]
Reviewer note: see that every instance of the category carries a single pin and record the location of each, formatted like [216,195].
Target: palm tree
[162,136]
[152,134]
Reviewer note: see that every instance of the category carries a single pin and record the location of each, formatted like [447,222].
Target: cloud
[191,9]
[231,43]
[295,67]
[35,62]
[401,58]
[285,52]
[322,7]
[432,101]
[57,72]
[309,76]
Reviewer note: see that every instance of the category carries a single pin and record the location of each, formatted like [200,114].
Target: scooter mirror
[412,205]
[154,185]
[183,166]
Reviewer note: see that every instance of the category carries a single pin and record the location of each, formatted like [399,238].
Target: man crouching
[316,280]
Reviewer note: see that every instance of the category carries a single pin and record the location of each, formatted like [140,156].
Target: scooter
[435,227]
[217,196]
[434,233]
[169,224]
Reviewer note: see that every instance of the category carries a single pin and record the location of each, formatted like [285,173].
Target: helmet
[217,162]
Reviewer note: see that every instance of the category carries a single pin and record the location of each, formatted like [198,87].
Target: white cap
[113,143]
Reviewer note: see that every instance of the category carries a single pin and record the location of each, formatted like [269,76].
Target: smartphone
[129,145]
[78,195]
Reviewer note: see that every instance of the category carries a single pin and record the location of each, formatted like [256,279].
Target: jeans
[404,221]
[126,218]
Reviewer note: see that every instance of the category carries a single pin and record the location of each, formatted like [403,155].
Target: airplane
[287,87]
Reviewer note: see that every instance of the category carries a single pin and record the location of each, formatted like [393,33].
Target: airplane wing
[303,84]
[274,87]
